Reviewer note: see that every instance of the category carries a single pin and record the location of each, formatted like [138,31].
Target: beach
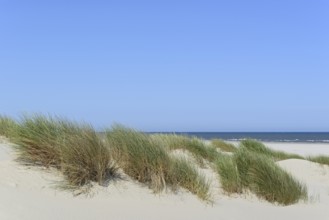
[301,148]
[164,110]
[32,193]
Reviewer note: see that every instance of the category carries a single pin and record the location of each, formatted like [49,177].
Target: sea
[306,137]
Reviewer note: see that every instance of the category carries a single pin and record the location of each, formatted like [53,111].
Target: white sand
[30,193]
[305,149]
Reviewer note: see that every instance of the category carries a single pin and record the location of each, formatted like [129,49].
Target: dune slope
[31,193]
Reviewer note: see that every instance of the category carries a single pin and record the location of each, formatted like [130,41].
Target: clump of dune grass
[262,176]
[7,126]
[184,174]
[39,139]
[223,146]
[258,147]
[195,146]
[319,159]
[70,147]
[229,175]
[85,158]
[145,160]
[139,157]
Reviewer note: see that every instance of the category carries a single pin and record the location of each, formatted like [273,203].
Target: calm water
[309,137]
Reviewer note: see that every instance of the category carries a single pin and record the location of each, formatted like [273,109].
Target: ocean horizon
[306,137]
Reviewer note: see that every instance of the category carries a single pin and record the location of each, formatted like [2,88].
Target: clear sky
[169,65]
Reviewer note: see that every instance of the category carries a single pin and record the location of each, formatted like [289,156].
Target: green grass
[223,146]
[319,159]
[257,170]
[144,159]
[7,126]
[184,174]
[70,147]
[39,139]
[229,176]
[262,176]
[139,157]
[258,147]
[195,146]
[83,157]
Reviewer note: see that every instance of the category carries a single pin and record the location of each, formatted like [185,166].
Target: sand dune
[31,193]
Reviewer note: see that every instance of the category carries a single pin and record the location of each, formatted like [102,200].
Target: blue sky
[169,65]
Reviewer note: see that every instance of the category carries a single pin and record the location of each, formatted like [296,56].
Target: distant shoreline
[281,137]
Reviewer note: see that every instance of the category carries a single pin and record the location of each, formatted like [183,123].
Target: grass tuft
[73,148]
[7,126]
[195,146]
[85,158]
[262,176]
[184,174]
[229,176]
[223,146]
[77,151]
[319,159]
[260,148]
[146,160]
[39,139]
[139,157]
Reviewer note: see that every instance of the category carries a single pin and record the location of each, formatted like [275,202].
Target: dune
[315,176]
[33,193]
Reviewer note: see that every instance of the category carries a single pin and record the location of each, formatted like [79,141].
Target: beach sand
[33,193]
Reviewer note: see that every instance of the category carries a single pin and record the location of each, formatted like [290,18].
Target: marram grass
[324,160]
[258,147]
[195,146]
[7,126]
[145,160]
[39,139]
[72,148]
[223,146]
[184,174]
[229,176]
[266,179]
[83,157]
[139,157]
